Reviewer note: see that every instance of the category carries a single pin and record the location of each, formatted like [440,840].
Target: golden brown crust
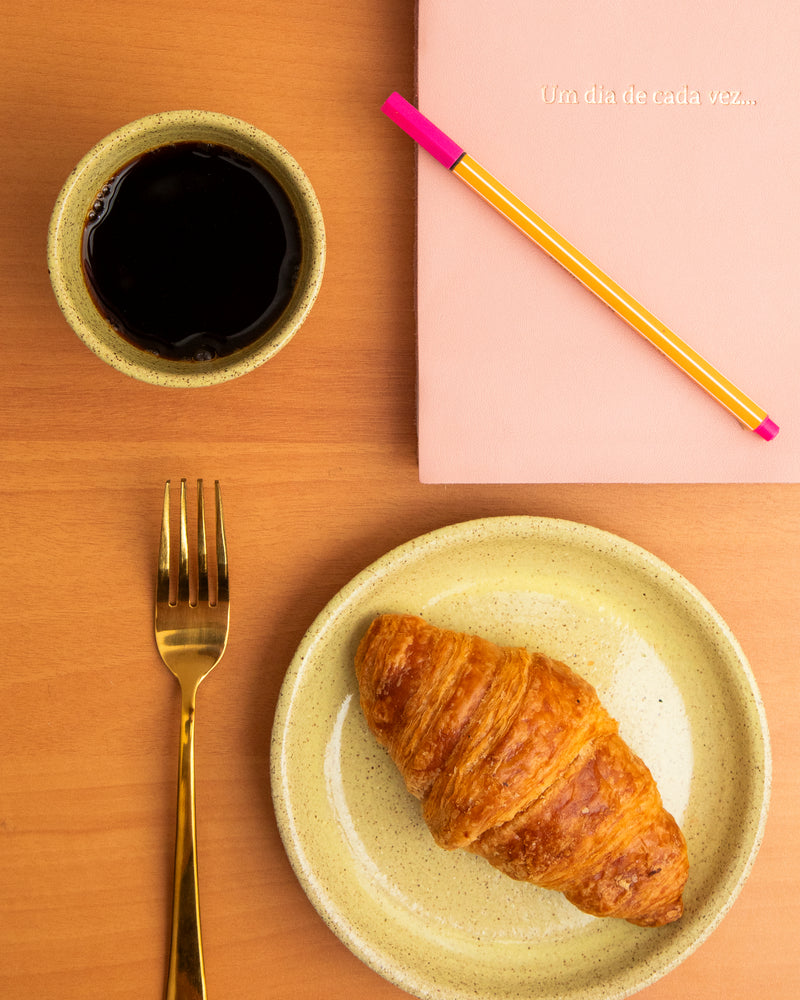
[515,759]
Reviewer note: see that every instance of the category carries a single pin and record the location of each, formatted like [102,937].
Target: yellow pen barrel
[624,304]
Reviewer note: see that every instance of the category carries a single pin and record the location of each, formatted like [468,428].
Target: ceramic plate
[447,925]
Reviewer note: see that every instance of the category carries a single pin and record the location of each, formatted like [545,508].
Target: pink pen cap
[422,130]
[767,429]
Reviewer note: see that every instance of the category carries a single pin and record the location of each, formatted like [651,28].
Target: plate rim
[484,528]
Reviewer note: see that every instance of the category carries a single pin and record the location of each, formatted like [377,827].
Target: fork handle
[186,976]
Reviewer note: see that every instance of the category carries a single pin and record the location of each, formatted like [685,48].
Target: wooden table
[316,452]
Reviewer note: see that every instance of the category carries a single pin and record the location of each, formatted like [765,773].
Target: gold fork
[191,625]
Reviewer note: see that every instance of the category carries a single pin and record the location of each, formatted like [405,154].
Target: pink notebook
[660,139]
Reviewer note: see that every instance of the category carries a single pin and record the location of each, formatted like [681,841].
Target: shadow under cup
[87,188]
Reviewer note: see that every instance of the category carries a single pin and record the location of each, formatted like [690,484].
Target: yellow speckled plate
[446,925]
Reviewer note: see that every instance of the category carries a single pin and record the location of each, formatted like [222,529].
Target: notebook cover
[662,141]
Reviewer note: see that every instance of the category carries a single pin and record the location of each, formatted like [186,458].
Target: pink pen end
[421,130]
[768,429]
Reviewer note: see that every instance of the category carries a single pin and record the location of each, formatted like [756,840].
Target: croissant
[515,759]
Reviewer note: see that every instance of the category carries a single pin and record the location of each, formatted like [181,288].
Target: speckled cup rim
[79,193]
[315,666]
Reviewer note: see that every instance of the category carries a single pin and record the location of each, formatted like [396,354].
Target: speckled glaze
[79,193]
[446,925]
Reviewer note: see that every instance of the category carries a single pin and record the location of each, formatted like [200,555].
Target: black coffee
[192,251]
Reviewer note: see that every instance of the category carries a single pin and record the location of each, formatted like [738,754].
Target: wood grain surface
[316,453]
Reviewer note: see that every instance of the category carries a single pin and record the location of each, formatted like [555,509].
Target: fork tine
[183,561]
[202,553]
[162,584]
[222,550]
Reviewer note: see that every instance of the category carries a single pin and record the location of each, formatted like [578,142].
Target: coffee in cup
[186,248]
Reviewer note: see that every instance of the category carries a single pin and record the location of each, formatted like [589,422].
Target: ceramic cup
[75,201]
